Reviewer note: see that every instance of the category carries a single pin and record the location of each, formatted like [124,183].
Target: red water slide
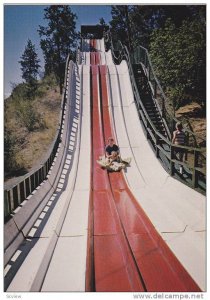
[114,267]
[94,58]
[126,252]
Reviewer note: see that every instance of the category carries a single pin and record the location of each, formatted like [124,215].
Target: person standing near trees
[179,138]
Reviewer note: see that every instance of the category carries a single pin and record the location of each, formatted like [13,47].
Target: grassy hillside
[29,126]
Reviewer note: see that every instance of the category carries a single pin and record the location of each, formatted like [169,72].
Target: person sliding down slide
[112,151]
[112,160]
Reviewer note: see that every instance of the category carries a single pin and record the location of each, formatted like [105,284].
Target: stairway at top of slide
[91,45]
[92,52]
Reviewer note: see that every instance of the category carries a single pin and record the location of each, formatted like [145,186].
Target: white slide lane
[68,265]
[63,241]
[177,211]
[33,267]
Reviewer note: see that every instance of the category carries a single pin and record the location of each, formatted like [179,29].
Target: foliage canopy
[175,36]
[58,39]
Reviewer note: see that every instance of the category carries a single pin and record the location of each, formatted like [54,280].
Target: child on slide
[112,152]
[112,160]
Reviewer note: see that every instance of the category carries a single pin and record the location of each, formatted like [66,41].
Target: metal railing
[164,149]
[14,195]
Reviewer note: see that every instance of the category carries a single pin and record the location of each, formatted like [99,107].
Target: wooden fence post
[32,178]
[15,196]
[195,172]
[7,204]
[27,186]
[36,177]
[22,191]
[171,162]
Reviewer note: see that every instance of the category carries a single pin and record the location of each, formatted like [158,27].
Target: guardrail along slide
[87,229]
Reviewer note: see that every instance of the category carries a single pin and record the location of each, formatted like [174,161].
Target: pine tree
[30,64]
[102,22]
[58,39]
[121,24]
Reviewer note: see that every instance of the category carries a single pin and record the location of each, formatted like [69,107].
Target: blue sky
[21,23]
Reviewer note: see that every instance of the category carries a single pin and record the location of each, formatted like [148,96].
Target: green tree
[102,22]
[139,21]
[179,58]
[121,24]
[30,67]
[58,39]
[9,150]
[144,18]
[177,13]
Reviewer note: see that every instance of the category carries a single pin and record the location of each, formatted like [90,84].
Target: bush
[176,95]
[25,91]
[9,150]
[20,91]
[50,80]
[179,58]
[28,116]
